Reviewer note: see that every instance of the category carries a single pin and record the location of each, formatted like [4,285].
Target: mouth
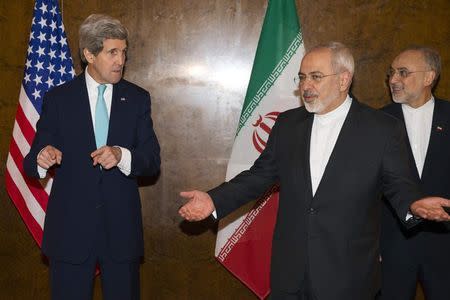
[396,89]
[309,98]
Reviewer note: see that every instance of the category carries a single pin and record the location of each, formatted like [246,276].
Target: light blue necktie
[101,118]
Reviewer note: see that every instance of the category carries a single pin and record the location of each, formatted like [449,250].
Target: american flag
[48,64]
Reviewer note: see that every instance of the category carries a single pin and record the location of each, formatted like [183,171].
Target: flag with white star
[48,64]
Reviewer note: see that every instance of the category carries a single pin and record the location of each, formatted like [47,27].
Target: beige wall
[172,42]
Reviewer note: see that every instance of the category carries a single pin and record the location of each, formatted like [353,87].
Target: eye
[316,77]
[403,73]
[391,72]
[302,77]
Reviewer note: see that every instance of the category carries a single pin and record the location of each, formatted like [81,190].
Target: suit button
[311,211]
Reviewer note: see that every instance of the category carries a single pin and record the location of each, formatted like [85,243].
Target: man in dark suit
[332,158]
[421,254]
[97,134]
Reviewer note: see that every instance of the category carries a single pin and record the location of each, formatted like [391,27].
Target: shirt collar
[426,107]
[338,112]
[91,83]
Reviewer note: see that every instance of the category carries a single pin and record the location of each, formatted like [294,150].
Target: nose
[308,83]
[394,78]
[121,59]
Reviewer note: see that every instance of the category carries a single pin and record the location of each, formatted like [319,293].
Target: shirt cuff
[214,214]
[408,216]
[41,171]
[124,164]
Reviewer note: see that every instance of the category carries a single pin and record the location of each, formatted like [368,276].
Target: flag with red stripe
[244,244]
[48,64]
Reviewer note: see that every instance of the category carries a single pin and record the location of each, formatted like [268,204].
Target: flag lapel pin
[439,128]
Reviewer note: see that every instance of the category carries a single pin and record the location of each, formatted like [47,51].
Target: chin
[311,107]
[398,100]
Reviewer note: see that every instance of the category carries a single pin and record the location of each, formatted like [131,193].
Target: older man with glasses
[420,255]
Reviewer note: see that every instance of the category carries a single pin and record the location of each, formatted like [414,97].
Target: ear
[429,77]
[345,79]
[89,56]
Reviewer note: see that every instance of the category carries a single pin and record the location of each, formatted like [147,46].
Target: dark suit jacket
[334,236]
[78,187]
[430,239]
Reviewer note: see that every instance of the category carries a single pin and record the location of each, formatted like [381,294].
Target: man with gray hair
[332,159]
[95,132]
[420,255]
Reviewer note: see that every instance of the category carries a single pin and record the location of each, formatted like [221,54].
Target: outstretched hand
[431,208]
[199,206]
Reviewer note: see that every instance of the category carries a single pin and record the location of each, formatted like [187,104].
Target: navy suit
[421,254]
[71,231]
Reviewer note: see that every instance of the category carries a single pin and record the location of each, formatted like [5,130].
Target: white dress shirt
[324,134]
[124,164]
[418,125]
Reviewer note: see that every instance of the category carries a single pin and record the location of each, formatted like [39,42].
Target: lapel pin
[439,128]
[123,99]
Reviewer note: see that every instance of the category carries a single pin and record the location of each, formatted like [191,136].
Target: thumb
[187,194]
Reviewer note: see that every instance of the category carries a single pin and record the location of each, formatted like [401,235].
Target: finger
[95,160]
[187,194]
[108,165]
[46,155]
[97,152]
[45,162]
[445,203]
[58,157]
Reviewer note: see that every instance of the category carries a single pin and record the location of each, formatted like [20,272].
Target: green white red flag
[244,244]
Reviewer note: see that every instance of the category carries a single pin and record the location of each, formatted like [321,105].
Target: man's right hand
[49,156]
[199,206]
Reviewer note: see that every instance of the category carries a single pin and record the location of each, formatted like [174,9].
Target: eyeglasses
[402,72]
[316,77]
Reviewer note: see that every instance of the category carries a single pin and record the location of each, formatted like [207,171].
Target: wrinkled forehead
[318,60]
[410,59]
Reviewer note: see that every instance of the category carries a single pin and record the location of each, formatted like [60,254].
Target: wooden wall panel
[195,57]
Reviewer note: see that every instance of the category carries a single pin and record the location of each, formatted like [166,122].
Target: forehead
[409,59]
[318,60]
[109,44]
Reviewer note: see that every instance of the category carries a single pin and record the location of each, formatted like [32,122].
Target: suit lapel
[345,140]
[85,111]
[116,114]
[398,113]
[435,136]
[303,144]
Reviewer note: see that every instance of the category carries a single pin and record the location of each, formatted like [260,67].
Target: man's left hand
[108,157]
[431,208]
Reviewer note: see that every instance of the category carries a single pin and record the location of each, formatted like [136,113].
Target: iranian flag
[244,244]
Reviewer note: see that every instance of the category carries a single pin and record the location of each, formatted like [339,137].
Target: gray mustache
[309,94]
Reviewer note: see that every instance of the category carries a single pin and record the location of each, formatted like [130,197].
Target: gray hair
[97,28]
[341,56]
[431,58]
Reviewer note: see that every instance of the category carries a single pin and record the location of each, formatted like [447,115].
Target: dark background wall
[195,57]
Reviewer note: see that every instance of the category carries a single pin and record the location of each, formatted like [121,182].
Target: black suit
[333,237]
[423,253]
[92,211]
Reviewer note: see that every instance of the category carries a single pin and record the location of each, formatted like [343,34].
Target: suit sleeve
[400,186]
[145,157]
[46,134]
[250,184]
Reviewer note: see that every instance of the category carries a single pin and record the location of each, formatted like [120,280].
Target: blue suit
[80,189]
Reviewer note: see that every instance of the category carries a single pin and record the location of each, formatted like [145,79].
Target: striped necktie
[101,118]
